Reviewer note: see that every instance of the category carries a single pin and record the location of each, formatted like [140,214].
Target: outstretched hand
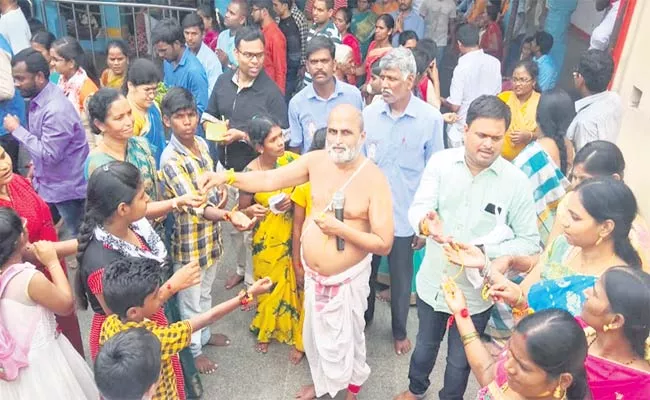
[209,180]
[434,229]
[464,254]
[261,286]
[453,296]
[186,277]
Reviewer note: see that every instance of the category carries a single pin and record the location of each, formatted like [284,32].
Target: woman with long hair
[114,226]
[616,316]
[544,359]
[343,20]
[547,160]
[278,312]
[42,42]
[596,159]
[382,43]
[41,363]
[78,78]
[211,22]
[117,61]
[18,194]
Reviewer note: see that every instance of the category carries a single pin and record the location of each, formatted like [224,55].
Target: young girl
[28,303]
[211,22]
[42,42]
[117,60]
[115,226]
[78,78]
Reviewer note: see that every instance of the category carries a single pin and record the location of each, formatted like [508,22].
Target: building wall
[632,82]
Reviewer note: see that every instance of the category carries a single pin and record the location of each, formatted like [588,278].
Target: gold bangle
[230,176]
[424,228]
[470,337]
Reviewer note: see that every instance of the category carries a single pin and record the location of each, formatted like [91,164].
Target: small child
[196,232]
[127,366]
[131,291]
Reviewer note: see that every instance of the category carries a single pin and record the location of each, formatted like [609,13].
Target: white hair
[399,58]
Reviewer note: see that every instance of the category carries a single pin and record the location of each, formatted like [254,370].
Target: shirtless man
[336,282]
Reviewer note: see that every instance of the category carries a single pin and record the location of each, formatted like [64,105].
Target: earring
[559,393]
[599,241]
[606,328]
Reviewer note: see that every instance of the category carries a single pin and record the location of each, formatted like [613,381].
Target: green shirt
[462,200]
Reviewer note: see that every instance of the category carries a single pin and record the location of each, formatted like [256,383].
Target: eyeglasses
[521,81]
[250,56]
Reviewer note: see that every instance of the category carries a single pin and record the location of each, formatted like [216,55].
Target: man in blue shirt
[402,132]
[234,18]
[193,31]
[541,46]
[310,108]
[406,19]
[181,67]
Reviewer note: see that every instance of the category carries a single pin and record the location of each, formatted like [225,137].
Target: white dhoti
[333,332]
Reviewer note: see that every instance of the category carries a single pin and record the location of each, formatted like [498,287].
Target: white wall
[631,77]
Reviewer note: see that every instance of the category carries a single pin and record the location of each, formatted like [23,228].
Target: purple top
[57,143]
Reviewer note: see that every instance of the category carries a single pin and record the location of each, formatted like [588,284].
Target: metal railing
[71,13]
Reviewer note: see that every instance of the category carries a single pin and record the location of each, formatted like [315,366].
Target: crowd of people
[316,137]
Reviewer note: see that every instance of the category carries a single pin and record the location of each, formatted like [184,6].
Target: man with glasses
[238,96]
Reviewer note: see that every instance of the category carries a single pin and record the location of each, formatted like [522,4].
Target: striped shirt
[194,236]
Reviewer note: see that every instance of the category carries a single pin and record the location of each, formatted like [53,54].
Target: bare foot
[218,339]
[205,365]
[296,356]
[262,347]
[233,280]
[384,295]
[306,393]
[402,346]
[405,396]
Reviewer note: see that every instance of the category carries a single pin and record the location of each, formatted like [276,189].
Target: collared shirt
[239,106]
[476,74]
[195,237]
[173,338]
[328,31]
[189,74]
[601,34]
[57,144]
[599,117]
[412,22]
[547,77]
[301,21]
[275,54]
[14,27]
[401,147]
[211,65]
[308,112]
[436,15]
[226,42]
[462,202]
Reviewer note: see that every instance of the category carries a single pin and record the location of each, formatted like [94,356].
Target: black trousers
[400,265]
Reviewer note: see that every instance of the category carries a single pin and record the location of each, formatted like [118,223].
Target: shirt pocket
[485,221]
[409,151]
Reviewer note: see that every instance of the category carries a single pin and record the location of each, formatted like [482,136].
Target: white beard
[347,156]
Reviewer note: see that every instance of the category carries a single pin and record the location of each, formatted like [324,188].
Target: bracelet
[470,337]
[464,313]
[520,299]
[518,313]
[245,298]
[424,228]
[230,176]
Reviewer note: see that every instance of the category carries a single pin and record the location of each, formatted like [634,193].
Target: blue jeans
[431,331]
[72,212]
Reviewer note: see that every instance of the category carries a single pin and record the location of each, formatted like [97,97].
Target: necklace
[591,334]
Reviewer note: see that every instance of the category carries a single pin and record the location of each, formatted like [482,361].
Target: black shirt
[291,32]
[263,97]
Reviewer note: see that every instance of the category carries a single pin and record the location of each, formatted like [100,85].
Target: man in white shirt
[13,26]
[599,111]
[602,33]
[193,30]
[476,74]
